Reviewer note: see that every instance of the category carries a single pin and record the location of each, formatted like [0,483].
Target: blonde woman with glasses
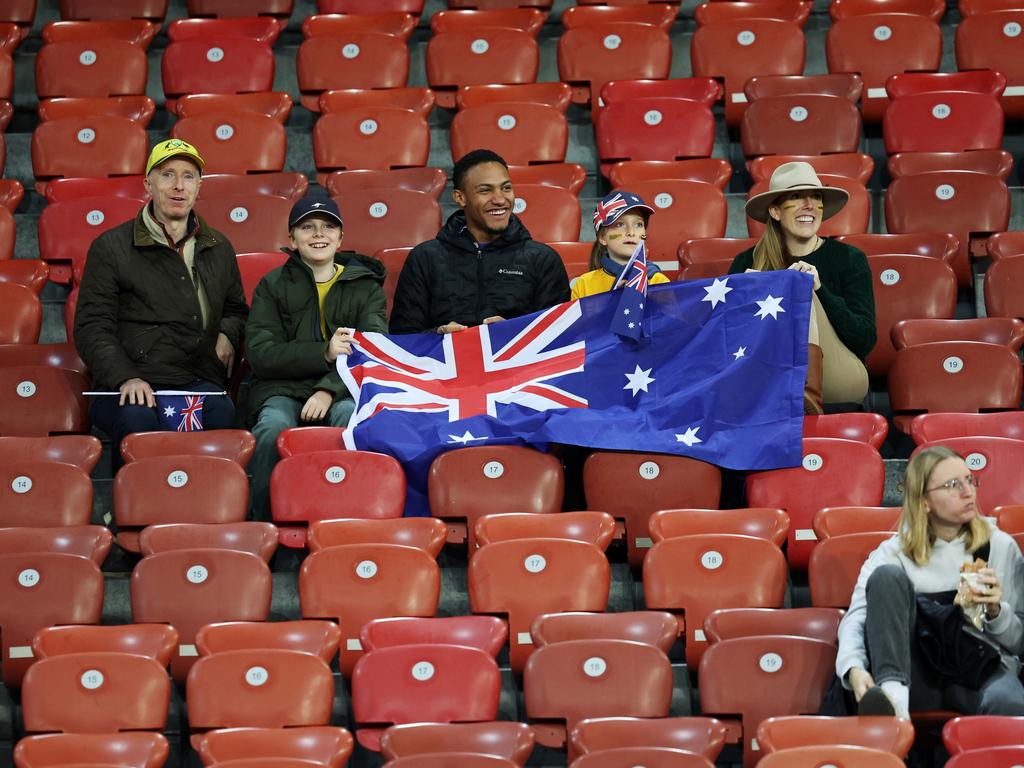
[903,645]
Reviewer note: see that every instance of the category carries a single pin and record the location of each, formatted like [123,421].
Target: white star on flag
[464,438]
[741,352]
[169,410]
[638,380]
[770,306]
[716,292]
[625,311]
[689,437]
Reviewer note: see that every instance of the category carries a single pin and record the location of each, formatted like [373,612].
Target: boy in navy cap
[301,320]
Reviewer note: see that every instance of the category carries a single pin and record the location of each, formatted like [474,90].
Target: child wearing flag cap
[302,318]
[620,224]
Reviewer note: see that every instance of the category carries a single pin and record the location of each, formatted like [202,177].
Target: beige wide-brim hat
[793,177]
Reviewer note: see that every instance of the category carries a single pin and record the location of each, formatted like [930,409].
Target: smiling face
[174,186]
[799,214]
[623,236]
[316,238]
[487,199]
[950,508]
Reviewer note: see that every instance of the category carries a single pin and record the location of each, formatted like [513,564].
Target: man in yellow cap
[161,304]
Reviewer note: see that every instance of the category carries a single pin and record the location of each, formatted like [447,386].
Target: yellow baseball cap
[165,150]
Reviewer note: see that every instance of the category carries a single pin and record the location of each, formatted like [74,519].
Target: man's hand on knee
[317,406]
[137,392]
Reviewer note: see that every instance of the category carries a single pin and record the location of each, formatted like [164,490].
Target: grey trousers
[889,636]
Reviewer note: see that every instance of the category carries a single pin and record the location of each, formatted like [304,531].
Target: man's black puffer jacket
[452,278]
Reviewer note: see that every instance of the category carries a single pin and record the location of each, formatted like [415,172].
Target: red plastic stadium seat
[234,444]
[10,36]
[687,209]
[711,170]
[62,190]
[488,5]
[762,677]
[308,439]
[21,314]
[557,95]
[709,256]
[281,10]
[265,688]
[1002,288]
[808,123]
[90,68]
[635,485]
[430,181]
[985,81]
[706,90]
[879,45]
[261,28]
[257,538]
[488,633]
[381,580]
[889,734]
[527,19]
[997,162]
[854,165]
[846,755]
[139,109]
[91,541]
[759,522]
[939,426]
[987,41]
[1006,331]
[192,587]
[839,521]
[833,472]
[654,757]
[83,451]
[701,735]
[657,15]
[251,222]
[835,565]
[99,10]
[469,482]
[177,488]
[953,376]
[322,485]
[157,641]
[138,749]
[990,757]
[88,146]
[328,746]
[510,740]
[137,31]
[216,65]
[67,229]
[524,578]
[575,257]
[522,133]
[254,266]
[710,13]
[551,214]
[395,23]
[653,128]
[844,9]
[990,459]
[11,193]
[596,528]
[657,628]
[275,104]
[27,273]
[244,142]
[95,693]
[43,589]
[478,57]
[943,121]
[870,428]
[815,623]
[62,355]
[853,218]
[414,7]
[738,50]
[907,287]
[37,400]
[368,138]
[350,60]
[319,638]
[696,574]
[591,55]
[422,684]
[578,679]
[426,533]
[969,733]
[376,219]
[845,85]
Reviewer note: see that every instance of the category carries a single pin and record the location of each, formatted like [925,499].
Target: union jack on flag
[181,413]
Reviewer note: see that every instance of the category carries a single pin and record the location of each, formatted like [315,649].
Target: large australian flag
[718,376]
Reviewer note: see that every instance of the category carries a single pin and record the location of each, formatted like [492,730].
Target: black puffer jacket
[452,278]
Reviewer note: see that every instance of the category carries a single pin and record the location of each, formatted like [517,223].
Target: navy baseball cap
[311,204]
[616,204]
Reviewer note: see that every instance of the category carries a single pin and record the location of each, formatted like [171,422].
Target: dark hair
[472,159]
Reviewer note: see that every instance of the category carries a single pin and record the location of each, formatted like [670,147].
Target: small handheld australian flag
[629,315]
[181,413]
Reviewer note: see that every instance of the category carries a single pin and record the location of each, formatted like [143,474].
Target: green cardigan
[846,292]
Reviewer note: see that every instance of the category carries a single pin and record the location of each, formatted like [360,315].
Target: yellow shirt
[321,295]
[599,281]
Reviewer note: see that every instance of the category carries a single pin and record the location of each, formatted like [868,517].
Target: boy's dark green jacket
[284,342]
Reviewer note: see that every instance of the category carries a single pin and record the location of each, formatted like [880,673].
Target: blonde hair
[597,253]
[916,534]
[770,251]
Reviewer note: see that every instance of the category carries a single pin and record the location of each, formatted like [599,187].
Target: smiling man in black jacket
[483,266]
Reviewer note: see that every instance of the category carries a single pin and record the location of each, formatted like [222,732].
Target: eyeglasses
[957,485]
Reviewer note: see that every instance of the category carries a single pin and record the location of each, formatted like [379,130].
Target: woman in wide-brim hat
[842,329]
